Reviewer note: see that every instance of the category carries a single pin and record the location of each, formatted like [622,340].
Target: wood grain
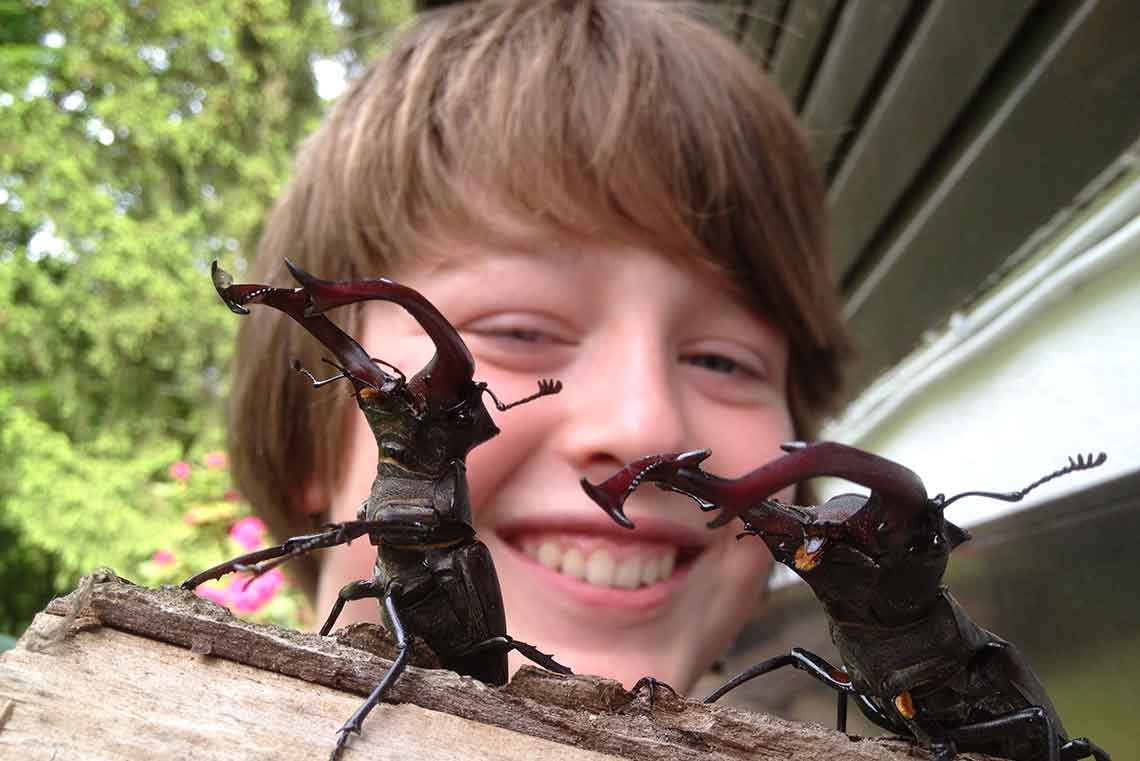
[115,671]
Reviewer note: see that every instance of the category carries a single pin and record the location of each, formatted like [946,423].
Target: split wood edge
[586,712]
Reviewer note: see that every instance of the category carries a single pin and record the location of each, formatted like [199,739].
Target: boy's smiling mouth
[602,562]
[620,567]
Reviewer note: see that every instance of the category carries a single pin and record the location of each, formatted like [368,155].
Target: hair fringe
[640,124]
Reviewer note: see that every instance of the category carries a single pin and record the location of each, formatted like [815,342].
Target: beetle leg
[652,685]
[403,651]
[799,658]
[880,717]
[356,590]
[985,730]
[943,750]
[507,643]
[1082,747]
[262,560]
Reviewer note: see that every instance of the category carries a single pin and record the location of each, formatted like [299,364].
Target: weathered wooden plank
[136,673]
[139,698]
[1061,112]
[952,48]
[862,36]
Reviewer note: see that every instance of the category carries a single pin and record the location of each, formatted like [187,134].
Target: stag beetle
[914,661]
[432,577]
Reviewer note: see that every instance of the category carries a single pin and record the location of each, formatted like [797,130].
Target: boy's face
[652,359]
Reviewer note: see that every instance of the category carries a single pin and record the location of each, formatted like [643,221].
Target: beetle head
[858,571]
[878,558]
[468,422]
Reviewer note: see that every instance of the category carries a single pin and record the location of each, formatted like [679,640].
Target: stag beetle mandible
[432,576]
[915,663]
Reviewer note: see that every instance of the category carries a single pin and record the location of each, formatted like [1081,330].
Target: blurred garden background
[983,167]
[139,140]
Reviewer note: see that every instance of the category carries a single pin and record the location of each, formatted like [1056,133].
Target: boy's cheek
[749,567]
[500,467]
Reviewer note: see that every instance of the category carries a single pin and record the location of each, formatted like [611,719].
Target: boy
[603,192]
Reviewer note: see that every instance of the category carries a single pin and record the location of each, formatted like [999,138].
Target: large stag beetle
[432,577]
[914,662]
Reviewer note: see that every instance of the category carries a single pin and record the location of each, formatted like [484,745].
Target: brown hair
[617,120]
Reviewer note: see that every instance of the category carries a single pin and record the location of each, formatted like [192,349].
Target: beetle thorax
[424,440]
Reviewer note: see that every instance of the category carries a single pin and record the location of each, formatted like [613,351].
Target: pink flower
[220,595]
[180,471]
[248,532]
[162,557]
[248,597]
[243,596]
[214,460]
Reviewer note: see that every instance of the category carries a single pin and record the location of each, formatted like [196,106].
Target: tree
[138,141]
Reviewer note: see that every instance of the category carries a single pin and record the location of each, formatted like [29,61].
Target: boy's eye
[731,374]
[507,336]
[516,334]
[518,327]
[523,343]
[714,362]
[723,364]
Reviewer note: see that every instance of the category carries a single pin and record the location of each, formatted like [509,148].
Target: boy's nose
[628,406]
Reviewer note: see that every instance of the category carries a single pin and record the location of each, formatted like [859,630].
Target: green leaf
[138,141]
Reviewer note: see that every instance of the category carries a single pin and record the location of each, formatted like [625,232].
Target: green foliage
[138,141]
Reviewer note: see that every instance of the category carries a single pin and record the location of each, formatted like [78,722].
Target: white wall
[1054,372]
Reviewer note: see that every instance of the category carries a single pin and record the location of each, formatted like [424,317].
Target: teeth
[600,569]
[573,563]
[628,574]
[549,555]
[651,570]
[599,566]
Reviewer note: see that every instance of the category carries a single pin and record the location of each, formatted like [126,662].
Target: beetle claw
[612,505]
[223,282]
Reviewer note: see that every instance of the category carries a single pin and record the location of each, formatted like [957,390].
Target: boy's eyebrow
[450,264]
[443,259]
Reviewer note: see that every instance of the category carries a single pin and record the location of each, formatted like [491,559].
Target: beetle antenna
[1080,462]
[317,383]
[545,388]
[344,374]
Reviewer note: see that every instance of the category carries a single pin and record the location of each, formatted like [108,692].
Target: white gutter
[1100,243]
